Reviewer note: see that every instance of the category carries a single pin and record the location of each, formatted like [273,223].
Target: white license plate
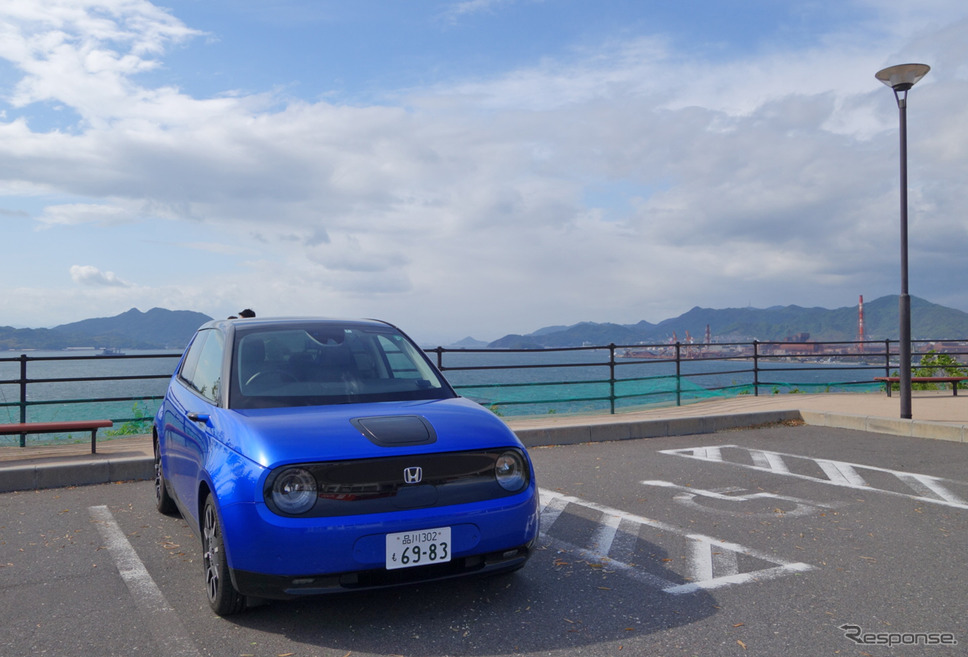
[418,548]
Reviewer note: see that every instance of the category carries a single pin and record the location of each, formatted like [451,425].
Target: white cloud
[768,178]
[470,7]
[83,53]
[217,248]
[84,213]
[92,276]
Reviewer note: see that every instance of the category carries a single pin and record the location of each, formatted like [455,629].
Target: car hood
[273,437]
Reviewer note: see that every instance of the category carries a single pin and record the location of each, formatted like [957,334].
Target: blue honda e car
[314,456]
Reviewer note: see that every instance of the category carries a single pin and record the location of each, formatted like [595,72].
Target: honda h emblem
[413,475]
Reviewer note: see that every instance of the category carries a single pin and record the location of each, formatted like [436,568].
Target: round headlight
[510,471]
[294,491]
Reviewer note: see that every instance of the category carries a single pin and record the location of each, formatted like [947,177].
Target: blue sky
[475,167]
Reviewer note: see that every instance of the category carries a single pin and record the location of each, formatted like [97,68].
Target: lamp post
[901,78]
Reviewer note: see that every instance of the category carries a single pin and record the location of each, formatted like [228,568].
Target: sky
[474,167]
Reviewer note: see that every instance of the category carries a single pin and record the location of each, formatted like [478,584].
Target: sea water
[511,383]
[544,382]
[96,391]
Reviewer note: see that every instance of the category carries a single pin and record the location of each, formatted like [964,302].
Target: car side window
[187,370]
[202,369]
[207,379]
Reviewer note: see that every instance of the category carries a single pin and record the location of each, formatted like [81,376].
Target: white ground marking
[165,626]
[922,487]
[687,497]
[711,563]
[841,474]
[769,460]
[928,487]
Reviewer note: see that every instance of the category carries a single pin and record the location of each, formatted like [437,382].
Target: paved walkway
[927,406]
[937,415]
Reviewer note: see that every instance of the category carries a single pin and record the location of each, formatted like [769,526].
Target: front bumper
[288,587]
[271,556]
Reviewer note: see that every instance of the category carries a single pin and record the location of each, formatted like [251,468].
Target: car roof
[282,322]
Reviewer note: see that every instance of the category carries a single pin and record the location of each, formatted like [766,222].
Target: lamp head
[903,76]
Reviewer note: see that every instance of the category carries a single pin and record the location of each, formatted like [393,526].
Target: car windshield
[318,364]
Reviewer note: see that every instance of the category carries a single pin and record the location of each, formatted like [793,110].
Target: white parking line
[769,460]
[920,487]
[928,487]
[711,563]
[605,535]
[708,559]
[841,474]
[165,626]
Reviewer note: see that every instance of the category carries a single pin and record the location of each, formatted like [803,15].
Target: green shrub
[935,364]
[141,423]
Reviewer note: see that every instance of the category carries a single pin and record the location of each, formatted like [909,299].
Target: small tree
[141,424]
[935,364]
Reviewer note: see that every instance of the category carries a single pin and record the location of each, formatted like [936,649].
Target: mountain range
[172,329]
[779,323]
[156,329]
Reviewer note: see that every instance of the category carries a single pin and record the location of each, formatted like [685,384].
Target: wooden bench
[24,428]
[953,380]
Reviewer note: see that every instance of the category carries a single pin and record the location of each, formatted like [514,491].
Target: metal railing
[125,388]
[591,379]
[614,377]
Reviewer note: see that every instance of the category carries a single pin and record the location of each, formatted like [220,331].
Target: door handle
[200,417]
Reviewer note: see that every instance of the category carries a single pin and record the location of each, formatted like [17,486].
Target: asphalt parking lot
[779,540]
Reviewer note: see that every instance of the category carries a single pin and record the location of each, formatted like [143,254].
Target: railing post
[756,368]
[678,373]
[440,358]
[887,358]
[23,396]
[611,377]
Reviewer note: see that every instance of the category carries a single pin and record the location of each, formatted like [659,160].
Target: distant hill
[171,329]
[928,321]
[156,329]
[469,343]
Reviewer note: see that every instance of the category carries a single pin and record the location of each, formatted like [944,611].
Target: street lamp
[901,78]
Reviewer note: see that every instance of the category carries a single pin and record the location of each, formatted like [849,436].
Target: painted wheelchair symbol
[701,499]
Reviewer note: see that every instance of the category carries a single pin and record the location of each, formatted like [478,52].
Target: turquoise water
[56,401]
[530,383]
[590,387]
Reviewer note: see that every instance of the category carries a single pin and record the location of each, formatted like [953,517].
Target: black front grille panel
[380,485]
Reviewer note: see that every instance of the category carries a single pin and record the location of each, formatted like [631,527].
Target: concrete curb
[590,433]
[911,428]
[75,473]
[97,470]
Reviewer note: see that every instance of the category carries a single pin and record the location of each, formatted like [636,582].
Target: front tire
[222,596]
[163,500]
